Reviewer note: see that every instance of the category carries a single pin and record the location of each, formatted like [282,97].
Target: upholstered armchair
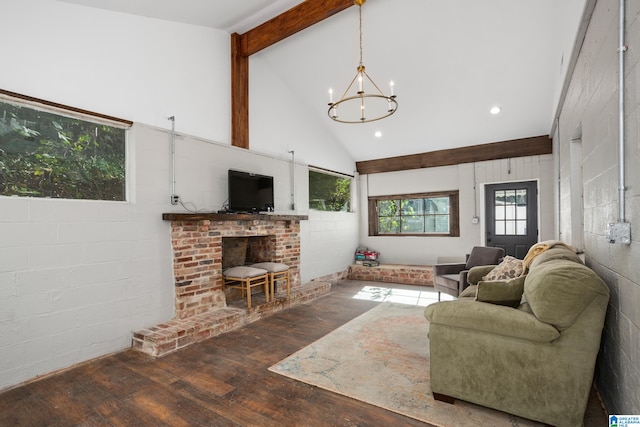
[451,278]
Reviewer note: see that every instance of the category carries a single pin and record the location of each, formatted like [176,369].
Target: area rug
[382,358]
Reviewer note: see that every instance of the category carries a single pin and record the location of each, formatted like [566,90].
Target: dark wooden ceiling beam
[244,45]
[239,92]
[532,146]
[292,21]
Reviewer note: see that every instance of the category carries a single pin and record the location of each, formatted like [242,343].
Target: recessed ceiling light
[378,134]
[495,110]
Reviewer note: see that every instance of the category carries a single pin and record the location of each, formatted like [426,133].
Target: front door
[512,216]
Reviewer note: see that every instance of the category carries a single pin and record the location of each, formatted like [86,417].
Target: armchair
[451,278]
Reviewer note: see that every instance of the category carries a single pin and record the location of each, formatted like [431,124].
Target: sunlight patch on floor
[417,297]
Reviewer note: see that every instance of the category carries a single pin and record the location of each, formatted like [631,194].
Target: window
[51,152]
[425,214]
[329,191]
[511,212]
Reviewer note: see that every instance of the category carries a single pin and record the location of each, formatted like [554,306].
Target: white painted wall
[76,277]
[426,250]
[271,101]
[136,68]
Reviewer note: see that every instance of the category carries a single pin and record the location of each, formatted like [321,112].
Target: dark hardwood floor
[223,381]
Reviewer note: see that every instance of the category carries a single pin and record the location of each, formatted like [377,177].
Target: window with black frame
[424,214]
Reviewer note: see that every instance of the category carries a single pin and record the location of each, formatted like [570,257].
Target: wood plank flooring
[222,381]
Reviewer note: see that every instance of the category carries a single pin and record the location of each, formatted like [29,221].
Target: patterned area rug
[382,358]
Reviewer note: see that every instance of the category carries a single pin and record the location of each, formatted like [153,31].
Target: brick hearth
[202,308]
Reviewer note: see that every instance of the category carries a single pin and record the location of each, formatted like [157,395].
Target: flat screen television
[250,192]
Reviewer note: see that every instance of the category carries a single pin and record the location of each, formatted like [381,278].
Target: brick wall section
[197,261]
[394,273]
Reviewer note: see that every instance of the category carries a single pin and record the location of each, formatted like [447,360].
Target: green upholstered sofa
[535,360]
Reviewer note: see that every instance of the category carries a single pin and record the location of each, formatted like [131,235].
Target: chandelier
[363,101]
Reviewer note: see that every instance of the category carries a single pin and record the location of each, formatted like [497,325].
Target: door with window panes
[512,216]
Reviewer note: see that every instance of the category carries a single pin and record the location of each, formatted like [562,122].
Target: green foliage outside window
[421,214]
[44,154]
[329,192]
[413,216]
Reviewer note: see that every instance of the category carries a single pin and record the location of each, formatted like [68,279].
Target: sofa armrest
[476,273]
[448,268]
[490,318]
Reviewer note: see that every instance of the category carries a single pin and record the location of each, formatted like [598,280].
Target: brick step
[178,333]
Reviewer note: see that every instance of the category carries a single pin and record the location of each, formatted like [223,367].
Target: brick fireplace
[197,242]
[202,308]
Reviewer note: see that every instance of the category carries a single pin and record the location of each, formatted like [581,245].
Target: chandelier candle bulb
[391,85]
[360,83]
[330,96]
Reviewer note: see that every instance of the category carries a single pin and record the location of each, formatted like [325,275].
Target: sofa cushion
[557,291]
[509,268]
[507,292]
[490,318]
[469,292]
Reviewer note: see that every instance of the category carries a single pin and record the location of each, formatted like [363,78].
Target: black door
[512,216]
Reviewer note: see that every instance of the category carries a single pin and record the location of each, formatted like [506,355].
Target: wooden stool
[277,271]
[245,278]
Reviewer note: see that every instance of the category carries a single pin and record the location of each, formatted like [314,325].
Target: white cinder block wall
[83,274]
[331,239]
[592,103]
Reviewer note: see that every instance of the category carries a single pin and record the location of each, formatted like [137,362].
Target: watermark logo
[624,420]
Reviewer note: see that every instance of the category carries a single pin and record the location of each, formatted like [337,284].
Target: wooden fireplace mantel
[230,217]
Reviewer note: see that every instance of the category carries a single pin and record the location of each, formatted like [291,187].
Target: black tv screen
[250,192]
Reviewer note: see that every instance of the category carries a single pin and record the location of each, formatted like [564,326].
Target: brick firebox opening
[241,251]
[247,250]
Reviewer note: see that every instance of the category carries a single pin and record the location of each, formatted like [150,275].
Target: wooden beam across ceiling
[286,24]
[532,146]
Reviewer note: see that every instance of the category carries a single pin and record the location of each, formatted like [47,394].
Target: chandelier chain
[360,15]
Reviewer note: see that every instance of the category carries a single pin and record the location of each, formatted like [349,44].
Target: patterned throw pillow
[509,268]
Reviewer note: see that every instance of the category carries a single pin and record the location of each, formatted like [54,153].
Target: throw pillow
[509,268]
[507,293]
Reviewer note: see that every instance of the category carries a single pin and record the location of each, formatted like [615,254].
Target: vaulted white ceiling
[451,61]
